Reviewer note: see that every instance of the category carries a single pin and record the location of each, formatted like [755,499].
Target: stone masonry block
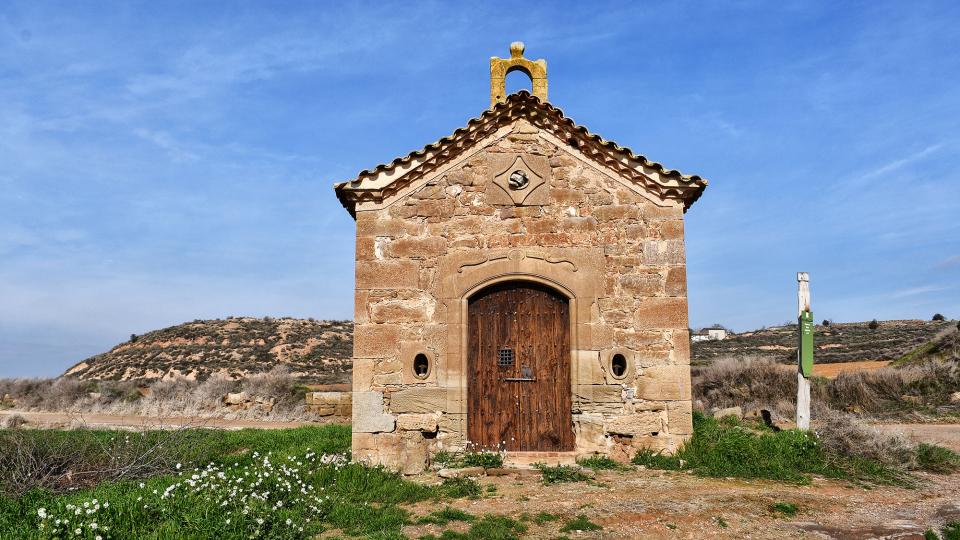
[402,274]
[417,248]
[663,313]
[661,383]
[643,423]
[426,422]
[680,418]
[376,340]
[600,393]
[419,400]
[368,413]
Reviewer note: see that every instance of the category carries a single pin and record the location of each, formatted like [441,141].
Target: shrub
[730,448]
[874,324]
[826,322]
[442,517]
[580,523]
[785,508]
[460,487]
[599,463]
[938,317]
[485,459]
[936,459]
[560,473]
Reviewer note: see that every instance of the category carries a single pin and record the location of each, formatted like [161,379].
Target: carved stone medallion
[518,179]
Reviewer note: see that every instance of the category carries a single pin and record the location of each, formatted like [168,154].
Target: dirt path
[947,435]
[657,504]
[97,420]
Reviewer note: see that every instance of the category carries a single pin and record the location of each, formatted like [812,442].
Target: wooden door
[518,369]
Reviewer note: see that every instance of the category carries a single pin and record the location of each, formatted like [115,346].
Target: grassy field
[732,448]
[262,484]
[298,483]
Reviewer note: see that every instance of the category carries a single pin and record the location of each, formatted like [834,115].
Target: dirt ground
[947,435]
[662,504]
[832,370]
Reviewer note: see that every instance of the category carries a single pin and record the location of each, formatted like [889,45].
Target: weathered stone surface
[680,418]
[661,313]
[368,413]
[376,340]
[955,397]
[636,424]
[426,422]
[398,274]
[419,400]
[664,383]
[600,393]
[417,248]
[461,473]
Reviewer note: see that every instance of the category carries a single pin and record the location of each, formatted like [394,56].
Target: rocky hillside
[839,342]
[315,351]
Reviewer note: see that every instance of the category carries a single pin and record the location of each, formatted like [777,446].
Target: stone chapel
[520,286]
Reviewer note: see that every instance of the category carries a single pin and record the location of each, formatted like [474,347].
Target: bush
[599,463]
[560,473]
[731,448]
[874,324]
[580,523]
[938,317]
[936,459]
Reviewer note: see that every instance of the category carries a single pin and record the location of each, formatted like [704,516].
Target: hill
[839,342]
[315,351]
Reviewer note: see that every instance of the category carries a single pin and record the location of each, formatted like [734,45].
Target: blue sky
[163,161]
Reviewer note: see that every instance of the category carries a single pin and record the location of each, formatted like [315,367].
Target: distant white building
[710,334]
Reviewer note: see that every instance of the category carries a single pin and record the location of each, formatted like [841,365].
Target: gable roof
[387,179]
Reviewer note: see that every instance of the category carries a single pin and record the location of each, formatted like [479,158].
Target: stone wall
[616,251]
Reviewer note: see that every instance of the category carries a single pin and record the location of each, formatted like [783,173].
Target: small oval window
[421,366]
[618,366]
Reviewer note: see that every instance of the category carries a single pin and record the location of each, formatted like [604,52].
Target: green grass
[445,516]
[600,463]
[488,527]
[937,459]
[784,508]
[560,474]
[480,458]
[544,517]
[730,448]
[301,475]
[950,531]
[580,523]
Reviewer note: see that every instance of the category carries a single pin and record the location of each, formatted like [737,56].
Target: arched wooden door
[518,378]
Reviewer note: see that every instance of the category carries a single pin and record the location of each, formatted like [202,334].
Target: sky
[162,162]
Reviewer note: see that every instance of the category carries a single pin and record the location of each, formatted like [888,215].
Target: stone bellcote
[500,67]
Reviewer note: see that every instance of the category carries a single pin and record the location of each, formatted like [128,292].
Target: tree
[826,322]
[873,325]
[938,317]
[133,338]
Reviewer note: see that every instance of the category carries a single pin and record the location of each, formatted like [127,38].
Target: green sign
[806,343]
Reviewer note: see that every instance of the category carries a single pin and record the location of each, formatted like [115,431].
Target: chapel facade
[520,286]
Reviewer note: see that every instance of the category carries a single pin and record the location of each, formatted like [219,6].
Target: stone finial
[499,67]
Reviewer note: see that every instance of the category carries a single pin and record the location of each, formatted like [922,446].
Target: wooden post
[803,384]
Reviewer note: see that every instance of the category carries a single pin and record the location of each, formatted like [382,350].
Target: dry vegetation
[274,395]
[315,351]
[838,342]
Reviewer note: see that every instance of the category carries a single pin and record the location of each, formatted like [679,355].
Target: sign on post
[806,343]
